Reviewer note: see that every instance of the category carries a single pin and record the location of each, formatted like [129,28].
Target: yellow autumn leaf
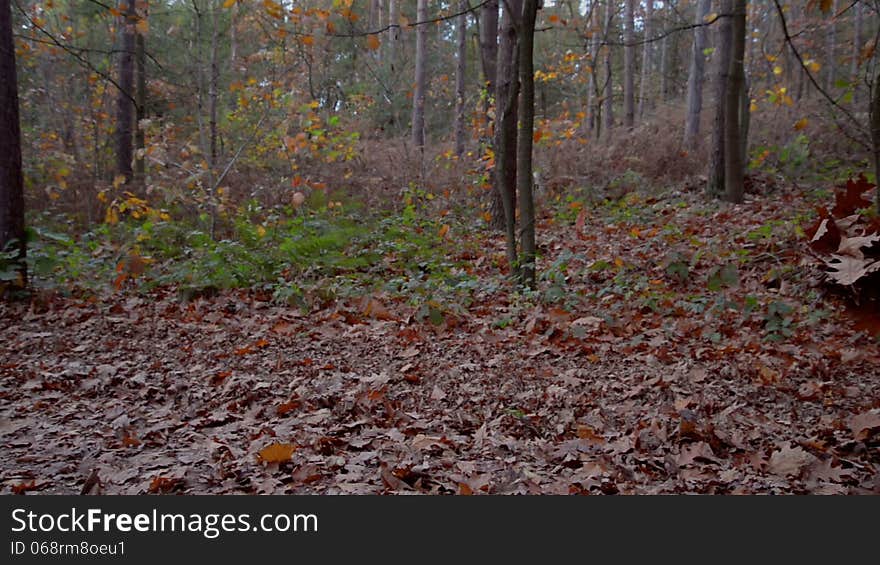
[777,70]
[229,3]
[142,26]
[118,181]
[276,453]
[444,229]
[373,42]
[801,124]
[261,231]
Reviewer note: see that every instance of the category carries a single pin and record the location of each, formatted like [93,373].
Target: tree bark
[140,109]
[715,186]
[875,133]
[733,158]
[594,94]
[858,39]
[11,178]
[527,271]
[629,63]
[460,69]
[695,77]
[503,208]
[125,97]
[418,112]
[831,47]
[392,47]
[489,45]
[647,53]
[608,102]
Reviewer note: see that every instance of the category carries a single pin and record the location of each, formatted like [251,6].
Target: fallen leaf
[865,424]
[790,461]
[276,453]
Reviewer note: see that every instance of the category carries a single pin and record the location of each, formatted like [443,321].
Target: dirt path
[158,396]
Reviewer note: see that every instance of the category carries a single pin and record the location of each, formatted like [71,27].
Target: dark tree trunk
[733,158]
[460,69]
[524,179]
[503,208]
[489,45]
[608,104]
[11,180]
[875,133]
[715,187]
[125,97]
[140,110]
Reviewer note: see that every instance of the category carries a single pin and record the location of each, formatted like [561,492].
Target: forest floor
[677,347]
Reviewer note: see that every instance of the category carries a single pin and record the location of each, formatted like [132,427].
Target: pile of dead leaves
[845,241]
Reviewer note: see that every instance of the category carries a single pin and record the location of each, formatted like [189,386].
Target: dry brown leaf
[865,424]
[790,461]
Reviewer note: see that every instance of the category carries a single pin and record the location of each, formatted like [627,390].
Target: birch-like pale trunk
[695,77]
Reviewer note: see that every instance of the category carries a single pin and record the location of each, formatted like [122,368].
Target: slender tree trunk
[715,186]
[695,78]
[733,158]
[858,40]
[140,173]
[11,178]
[392,48]
[503,208]
[524,179]
[460,68]
[608,103]
[418,112]
[875,132]
[831,46]
[594,100]
[489,47]
[233,38]
[629,72]
[647,51]
[213,94]
[125,97]
[664,68]
[745,120]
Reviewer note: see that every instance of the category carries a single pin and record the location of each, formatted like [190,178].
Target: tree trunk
[646,59]
[858,39]
[140,109]
[213,94]
[392,47]
[418,113]
[527,273]
[695,78]
[460,68]
[715,186]
[629,63]
[503,208]
[11,178]
[608,103]
[745,120]
[125,97]
[831,46]
[733,158]
[875,133]
[489,45]
[594,94]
